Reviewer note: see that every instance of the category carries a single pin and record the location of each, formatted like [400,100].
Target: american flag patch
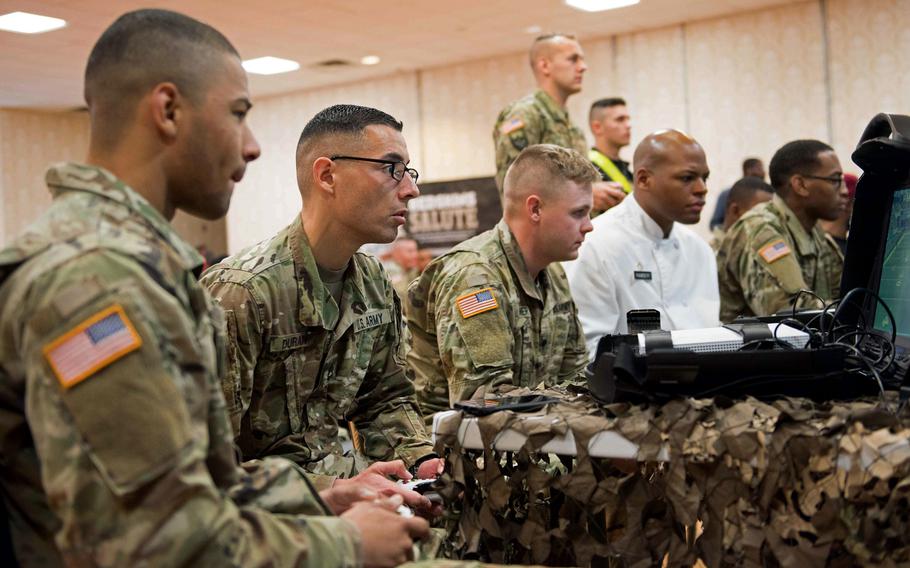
[92,345]
[774,250]
[511,126]
[476,303]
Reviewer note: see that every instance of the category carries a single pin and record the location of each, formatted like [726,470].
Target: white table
[602,445]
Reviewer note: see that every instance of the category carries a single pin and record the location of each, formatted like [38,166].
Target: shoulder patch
[775,250]
[476,303]
[91,345]
[511,125]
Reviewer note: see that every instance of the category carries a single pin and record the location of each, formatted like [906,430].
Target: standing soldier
[558,63]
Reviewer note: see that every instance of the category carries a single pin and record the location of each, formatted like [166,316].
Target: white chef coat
[626,263]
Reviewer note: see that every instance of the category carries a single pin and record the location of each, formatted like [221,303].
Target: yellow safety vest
[607,165]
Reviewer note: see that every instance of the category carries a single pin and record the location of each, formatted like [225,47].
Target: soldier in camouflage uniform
[776,249]
[116,444]
[496,309]
[315,327]
[558,63]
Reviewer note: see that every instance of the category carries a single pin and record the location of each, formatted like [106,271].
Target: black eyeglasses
[396,169]
[837,181]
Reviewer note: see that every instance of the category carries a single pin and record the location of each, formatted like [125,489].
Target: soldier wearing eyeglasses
[777,248]
[315,328]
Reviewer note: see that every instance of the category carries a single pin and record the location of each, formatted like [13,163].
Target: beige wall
[30,142]
[742,85]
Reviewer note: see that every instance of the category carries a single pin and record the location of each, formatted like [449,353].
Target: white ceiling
[45,70]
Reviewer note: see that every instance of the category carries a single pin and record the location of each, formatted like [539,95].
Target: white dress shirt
[626,263]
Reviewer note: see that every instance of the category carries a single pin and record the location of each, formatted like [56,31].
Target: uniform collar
[641,219]
[317,306]
[517,261]
[551,106]
[71,176]
[805,241]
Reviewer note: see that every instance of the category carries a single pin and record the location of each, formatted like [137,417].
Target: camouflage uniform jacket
[526,335]
[767,256]
[301,366]
[120,453]
[533,119]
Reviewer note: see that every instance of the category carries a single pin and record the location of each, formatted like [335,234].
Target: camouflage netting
[790,483]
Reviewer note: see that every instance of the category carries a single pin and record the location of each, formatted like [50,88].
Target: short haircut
[344,120]
[744,189]
[797,157]
[542,42]
[750,163]
[144,48]
[608,102]
[540,167]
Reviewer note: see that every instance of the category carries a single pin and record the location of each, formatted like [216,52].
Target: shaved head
[142,49]
[545,46]
[542,169]
[671,173]
[654,150]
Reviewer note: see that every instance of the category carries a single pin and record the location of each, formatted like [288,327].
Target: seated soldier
[776,249]
[745,194]
[496,309]
[116,443]
[315,327]
[640,255]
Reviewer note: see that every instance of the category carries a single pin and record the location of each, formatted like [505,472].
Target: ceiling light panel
[269,65]
[25,23]
[599,5]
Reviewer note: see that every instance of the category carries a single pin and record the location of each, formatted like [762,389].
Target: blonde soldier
[116,445]
[558,64]
[315,326]
[496,309]
[776,249]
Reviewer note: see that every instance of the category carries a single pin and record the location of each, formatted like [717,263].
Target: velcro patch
[774,250]
[92,345]
[372,319]
[476,303]
[511,125]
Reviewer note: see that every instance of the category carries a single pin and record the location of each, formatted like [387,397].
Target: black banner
[449,212]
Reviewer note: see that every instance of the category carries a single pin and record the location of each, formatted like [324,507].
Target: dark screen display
[894,284]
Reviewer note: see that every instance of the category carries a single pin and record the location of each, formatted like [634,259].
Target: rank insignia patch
[476,303]
[92,345]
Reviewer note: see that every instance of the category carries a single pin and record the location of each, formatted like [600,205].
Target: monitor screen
[894,280]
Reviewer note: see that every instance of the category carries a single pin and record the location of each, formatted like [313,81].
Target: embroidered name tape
[774,251]
[642,275]
[286,342]
[476,303]
[92,345]
[372,319]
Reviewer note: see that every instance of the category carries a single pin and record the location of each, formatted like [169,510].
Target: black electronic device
[878,246]
[642,320]
[524,403]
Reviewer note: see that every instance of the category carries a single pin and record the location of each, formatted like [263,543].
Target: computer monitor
[893,279]
[878,248]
